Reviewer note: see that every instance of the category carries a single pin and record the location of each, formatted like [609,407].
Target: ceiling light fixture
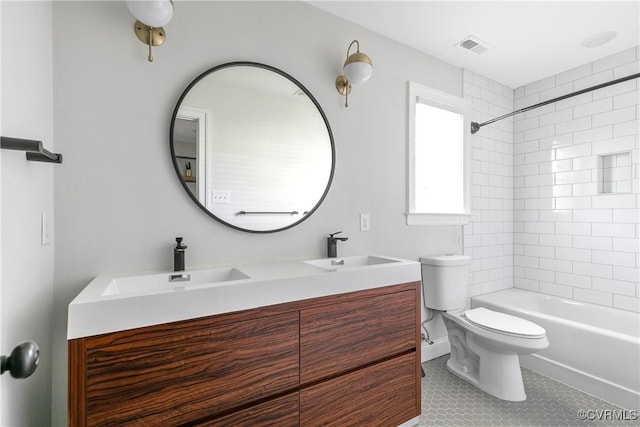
[357,69]
[151,15]
[598,39]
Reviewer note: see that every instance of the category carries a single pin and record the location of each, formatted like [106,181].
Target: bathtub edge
[594,386]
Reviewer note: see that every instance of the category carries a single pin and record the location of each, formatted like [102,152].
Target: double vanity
[297,343]
[310,342]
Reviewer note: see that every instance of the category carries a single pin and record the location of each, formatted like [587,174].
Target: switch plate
[365,224]
[45,232]
[220,196]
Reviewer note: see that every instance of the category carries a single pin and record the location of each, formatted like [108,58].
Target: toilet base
[493,369]
[503,383]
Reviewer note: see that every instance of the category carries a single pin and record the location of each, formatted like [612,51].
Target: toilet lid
[504,323]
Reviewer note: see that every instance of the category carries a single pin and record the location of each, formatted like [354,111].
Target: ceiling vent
[473,44]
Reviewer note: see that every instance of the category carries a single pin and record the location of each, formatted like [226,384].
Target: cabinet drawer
[339,337]
[170,378]
[281,412]
[385,394]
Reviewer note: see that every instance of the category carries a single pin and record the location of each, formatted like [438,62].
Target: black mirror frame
[297,83]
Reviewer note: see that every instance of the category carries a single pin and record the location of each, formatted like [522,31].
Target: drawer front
[280,412]
[385,394]
[169,378]
[340,337]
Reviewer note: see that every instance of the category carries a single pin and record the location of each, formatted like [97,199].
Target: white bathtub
[593,348]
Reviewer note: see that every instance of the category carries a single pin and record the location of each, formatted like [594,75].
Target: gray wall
[118,202]
[27,191]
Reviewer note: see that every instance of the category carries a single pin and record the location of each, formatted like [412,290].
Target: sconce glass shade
[153,13]
[358,68]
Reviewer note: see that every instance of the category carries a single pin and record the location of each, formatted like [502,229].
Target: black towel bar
[35,151]
[266,213]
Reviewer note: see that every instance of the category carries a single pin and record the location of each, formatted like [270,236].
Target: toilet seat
[503,323]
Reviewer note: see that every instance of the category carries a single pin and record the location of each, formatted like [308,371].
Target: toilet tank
[445,281]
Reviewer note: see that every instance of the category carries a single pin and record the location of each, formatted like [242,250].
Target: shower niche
[615,173]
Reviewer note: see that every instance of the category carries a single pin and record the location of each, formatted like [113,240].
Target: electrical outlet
[365,224]
[220,196]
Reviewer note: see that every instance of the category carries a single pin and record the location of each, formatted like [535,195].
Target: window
[438,157]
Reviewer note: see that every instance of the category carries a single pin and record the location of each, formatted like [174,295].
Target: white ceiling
[528,40]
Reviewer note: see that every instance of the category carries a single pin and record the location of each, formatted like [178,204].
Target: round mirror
[252,147]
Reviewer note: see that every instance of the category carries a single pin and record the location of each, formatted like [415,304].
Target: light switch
[365,225]
[45,232]
[218,196]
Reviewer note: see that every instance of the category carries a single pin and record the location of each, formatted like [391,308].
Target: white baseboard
[440,347]
[412,422]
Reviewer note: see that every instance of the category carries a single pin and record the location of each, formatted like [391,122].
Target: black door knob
[23,360]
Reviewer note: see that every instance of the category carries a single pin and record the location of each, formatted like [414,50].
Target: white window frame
[418,93]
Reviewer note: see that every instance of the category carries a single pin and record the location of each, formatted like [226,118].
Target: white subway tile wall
[576,229]
[489,237]
[555,191]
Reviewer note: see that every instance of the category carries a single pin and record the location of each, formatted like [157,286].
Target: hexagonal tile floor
[452,402]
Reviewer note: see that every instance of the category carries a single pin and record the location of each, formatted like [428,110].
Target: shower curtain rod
[475,126]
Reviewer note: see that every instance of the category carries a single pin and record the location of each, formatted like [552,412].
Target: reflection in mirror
[252,147]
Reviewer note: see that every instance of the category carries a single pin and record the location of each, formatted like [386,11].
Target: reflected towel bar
[267,213]
[35,151]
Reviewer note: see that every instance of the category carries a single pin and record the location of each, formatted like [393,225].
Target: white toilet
[485,344]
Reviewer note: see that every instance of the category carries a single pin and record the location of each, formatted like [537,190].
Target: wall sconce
[357,69]
[151,15]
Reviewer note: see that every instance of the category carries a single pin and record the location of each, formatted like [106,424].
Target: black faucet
[332,244]
[178,255]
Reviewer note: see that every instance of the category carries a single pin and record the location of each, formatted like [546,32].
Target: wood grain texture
[339,337]
[211,370]
[378,395]
[281,412]
[351,296]
[77,408]
[178,328]
[169,379]
[418,332]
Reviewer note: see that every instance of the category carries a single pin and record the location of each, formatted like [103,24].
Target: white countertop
[98,309]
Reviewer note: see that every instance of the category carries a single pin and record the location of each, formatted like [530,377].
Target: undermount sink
[176,281]
[334,264]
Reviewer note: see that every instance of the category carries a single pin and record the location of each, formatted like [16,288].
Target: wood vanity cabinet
[349,359]
[179,372]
